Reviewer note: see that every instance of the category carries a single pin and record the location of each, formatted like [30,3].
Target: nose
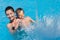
[10,15]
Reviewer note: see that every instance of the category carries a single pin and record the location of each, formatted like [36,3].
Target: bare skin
[25,20]
[14,23]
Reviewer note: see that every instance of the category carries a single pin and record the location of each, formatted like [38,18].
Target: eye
[10,13]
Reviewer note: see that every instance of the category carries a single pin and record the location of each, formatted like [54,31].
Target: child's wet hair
[19,9]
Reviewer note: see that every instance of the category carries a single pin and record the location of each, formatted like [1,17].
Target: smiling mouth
[11,17]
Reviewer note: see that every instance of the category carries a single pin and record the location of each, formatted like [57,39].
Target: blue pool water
[46,13]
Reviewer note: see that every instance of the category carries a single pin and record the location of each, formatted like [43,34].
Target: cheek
[8,16]
[22,14]
[12,14]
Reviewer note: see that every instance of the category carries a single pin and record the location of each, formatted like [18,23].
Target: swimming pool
[45,12]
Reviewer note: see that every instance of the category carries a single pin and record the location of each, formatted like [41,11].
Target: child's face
[20,13]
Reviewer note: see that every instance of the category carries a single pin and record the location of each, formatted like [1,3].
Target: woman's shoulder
[9,25]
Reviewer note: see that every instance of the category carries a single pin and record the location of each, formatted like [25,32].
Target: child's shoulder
[28,17]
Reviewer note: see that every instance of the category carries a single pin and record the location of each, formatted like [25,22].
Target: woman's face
[10,14]
[20,13]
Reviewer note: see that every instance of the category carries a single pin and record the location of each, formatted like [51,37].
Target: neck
[12,20]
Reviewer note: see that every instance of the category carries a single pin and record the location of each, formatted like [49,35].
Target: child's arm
[31,20]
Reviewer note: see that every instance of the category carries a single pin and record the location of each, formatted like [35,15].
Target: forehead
[19,10]
[9,11]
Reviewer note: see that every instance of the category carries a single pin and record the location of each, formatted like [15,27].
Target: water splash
[45,28]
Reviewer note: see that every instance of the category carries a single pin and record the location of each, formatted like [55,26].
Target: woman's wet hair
[8,8]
